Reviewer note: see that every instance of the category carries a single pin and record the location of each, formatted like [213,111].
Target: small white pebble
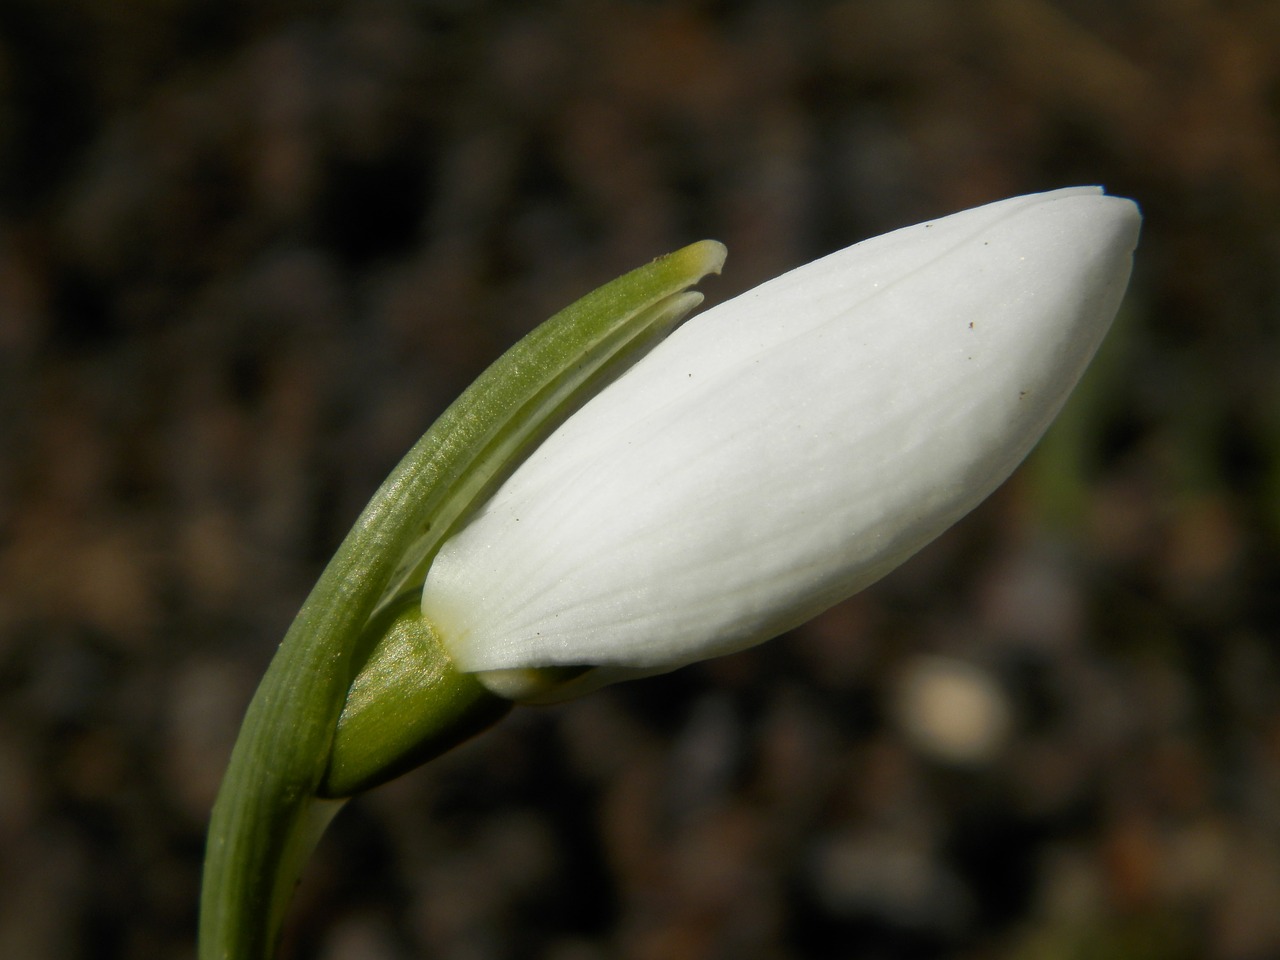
[952,710]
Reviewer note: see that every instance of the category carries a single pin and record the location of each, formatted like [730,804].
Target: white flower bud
[787,448]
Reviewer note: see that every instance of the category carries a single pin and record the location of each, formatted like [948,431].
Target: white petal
[787,448]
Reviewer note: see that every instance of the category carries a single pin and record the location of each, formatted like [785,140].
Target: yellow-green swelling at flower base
[771,457]
[408,704]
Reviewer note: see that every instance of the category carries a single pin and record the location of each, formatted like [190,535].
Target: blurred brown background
[248,251]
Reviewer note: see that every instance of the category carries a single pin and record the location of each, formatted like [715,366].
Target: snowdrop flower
[782,451]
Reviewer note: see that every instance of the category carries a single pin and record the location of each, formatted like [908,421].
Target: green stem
[268,815]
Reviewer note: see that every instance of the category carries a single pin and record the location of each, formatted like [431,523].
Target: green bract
[270,809]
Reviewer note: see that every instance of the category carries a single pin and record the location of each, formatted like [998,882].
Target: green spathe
[271,808]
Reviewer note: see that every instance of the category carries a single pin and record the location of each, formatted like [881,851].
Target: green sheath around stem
[269,812]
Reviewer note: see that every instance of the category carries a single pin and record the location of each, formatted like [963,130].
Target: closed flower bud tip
[787,448]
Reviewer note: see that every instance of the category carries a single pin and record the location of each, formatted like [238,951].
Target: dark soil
[249,251]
